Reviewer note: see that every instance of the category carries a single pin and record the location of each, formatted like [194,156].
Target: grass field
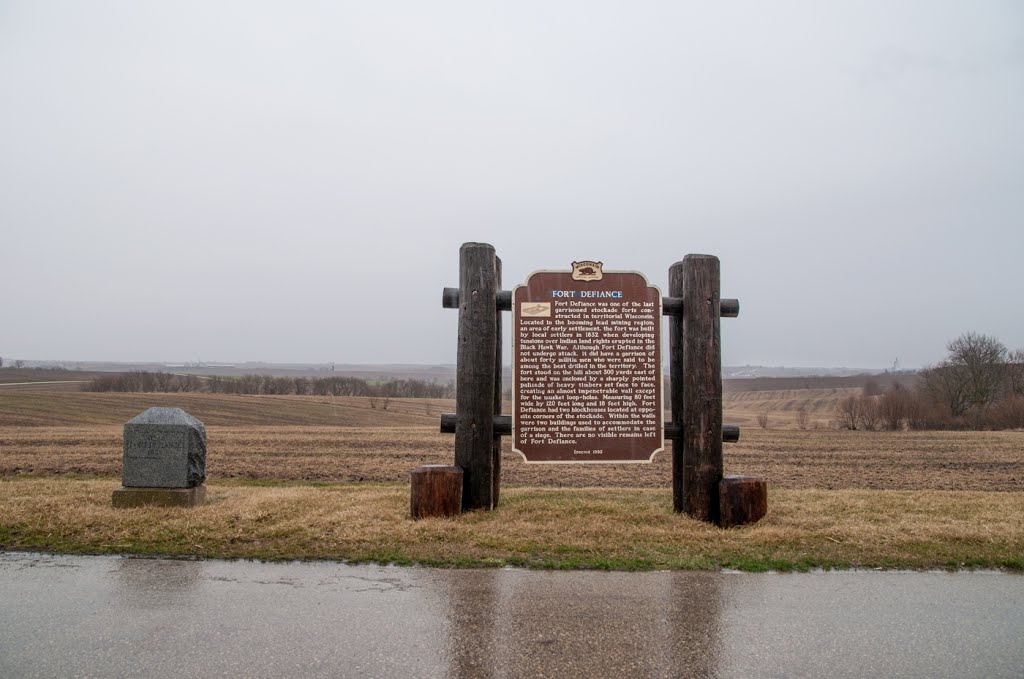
[539,527]
[321,477]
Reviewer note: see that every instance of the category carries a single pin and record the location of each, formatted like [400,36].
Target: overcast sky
[292,181]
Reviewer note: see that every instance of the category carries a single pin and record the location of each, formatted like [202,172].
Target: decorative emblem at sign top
[587,271]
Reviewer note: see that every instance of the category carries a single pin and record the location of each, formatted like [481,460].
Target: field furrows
[814,400]
[51,407]
[992,461]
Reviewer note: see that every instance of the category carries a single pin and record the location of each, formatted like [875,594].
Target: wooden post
[496,436]
[436,491]
[695,367]
[743,500]
[474,397]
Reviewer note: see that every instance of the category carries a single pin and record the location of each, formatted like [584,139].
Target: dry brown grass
[837,497]
[533,526]
[826,459]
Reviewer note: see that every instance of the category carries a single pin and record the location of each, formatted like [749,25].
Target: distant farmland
[47,430]
[47,407]
[60,404]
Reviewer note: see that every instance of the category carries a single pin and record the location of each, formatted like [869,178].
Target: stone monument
[164,460]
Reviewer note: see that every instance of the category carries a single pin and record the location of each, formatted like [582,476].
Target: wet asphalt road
[115,616]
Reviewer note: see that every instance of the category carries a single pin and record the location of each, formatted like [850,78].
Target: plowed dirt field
[992,461]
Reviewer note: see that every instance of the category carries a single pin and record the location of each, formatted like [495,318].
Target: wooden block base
[160,497]
[742,500]
[436,491]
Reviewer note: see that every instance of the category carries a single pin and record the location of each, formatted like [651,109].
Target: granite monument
[164,460]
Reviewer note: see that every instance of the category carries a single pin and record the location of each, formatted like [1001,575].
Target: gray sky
[291,181]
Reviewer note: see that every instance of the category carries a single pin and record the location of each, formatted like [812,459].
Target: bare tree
[982,363]
[973,376]
[946,386]
[848,412]
[868,413]
[762,420]
[802,418]
[1007,413]
[893,407]
[1015,372]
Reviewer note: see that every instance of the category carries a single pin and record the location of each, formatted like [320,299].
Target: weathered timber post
[436,491]
[695,368]
[496,436]
[475,378]
[742,500]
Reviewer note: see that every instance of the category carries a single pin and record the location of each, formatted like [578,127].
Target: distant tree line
[142,381]
[980,385]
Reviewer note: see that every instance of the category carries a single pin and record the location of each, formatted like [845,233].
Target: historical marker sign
[587,375]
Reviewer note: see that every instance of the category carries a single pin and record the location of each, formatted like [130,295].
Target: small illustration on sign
[539,310]
[587,271]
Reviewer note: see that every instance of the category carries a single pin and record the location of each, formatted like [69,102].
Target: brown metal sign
[586,366]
